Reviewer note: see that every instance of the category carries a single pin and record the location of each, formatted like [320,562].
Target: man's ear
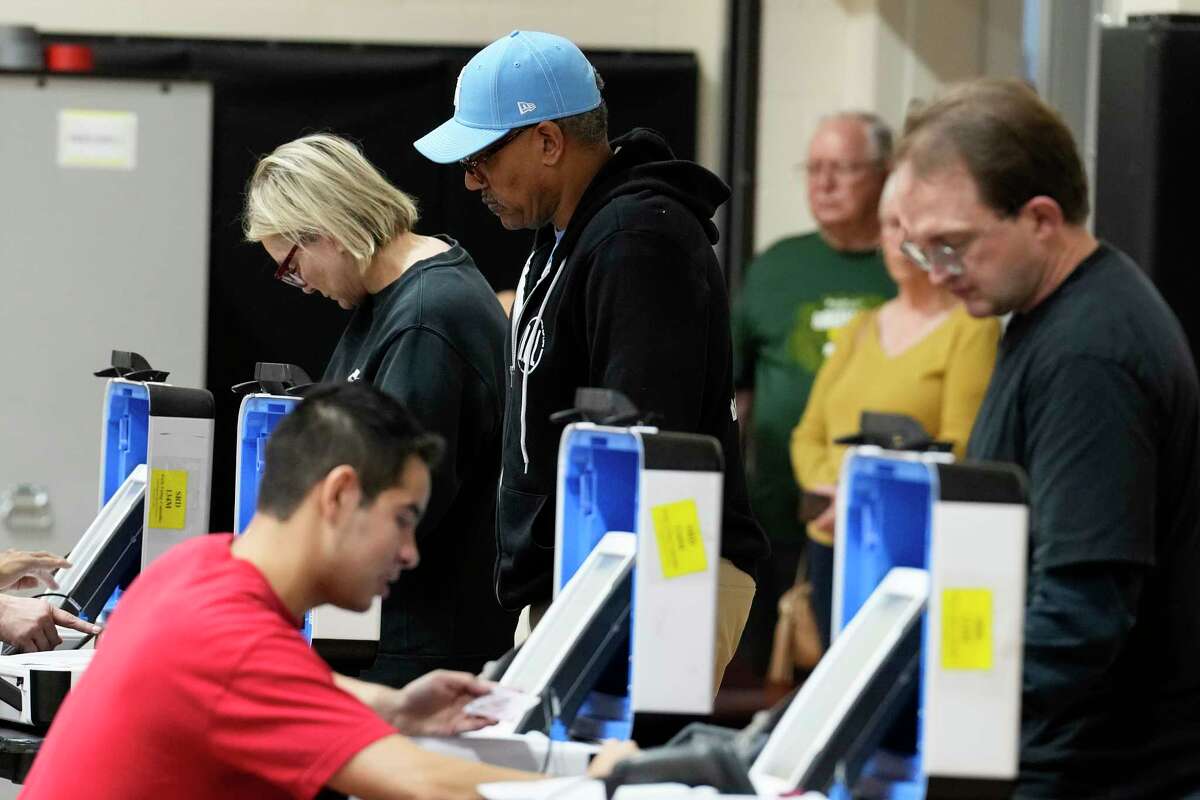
[338,494]
[551,142]
[1047,216]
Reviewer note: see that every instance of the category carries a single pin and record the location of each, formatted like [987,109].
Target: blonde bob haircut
[322,185]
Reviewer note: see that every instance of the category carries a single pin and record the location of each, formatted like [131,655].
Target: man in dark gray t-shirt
[1095,396]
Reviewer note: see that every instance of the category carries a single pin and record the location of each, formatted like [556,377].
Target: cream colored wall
[696,25]
[820,56]
[1119,10]
[817,55]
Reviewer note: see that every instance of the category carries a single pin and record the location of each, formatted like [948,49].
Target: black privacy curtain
[383,97]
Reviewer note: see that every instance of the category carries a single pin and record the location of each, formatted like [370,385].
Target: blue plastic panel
[599,492]
[887,524]
[259,416]
[888,510]
[126,445]
[257,419]
[126,426]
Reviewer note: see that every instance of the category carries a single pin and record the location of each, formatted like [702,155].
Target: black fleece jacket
[634,300]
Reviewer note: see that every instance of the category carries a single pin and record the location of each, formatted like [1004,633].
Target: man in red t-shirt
[203,686]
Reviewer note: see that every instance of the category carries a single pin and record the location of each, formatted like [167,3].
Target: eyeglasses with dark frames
[287,273]
[471,164]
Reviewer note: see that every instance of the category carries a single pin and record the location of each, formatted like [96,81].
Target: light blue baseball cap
[522,79]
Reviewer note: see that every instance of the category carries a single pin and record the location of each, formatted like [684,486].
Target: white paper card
[502,704]
[94,139]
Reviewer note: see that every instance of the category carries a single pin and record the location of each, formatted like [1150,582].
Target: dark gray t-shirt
[434,340]
[1095,395]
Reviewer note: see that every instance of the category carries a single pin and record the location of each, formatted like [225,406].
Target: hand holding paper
[502,704]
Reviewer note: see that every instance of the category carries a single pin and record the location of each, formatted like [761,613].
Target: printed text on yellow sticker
[677,531]
[967,629]
[168,498]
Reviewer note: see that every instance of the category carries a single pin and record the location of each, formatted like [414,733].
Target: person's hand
[29,623]
[432,705]
[825,521]
[612,752]
[22,570]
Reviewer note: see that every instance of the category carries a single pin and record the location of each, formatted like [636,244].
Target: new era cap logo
[458,87]
[524,108]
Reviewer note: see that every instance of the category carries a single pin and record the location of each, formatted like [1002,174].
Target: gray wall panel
[91,260]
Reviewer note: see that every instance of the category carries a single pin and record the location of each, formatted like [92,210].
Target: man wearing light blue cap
[622,290]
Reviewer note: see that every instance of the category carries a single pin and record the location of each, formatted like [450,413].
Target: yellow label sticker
[967,629]
[168,498]
[677,531]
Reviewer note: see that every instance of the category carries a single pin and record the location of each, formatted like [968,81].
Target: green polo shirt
[794,294]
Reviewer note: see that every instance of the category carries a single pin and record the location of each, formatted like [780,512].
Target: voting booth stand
[918,695]
[666,488]
[170,430]
[347,639]
[629,637]
[155,473]
[966,525]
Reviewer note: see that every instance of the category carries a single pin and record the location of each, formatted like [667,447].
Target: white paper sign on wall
[94,139]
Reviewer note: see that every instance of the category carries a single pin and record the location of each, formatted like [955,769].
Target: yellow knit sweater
[939,381]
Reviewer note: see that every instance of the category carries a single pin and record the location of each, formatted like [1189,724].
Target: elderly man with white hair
[795,293]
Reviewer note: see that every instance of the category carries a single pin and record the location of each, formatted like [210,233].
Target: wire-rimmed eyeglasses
[941,259]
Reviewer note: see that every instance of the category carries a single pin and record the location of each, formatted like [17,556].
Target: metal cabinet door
[103,245]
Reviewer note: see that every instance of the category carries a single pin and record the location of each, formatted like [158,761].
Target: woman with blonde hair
[428,330]
[920,354]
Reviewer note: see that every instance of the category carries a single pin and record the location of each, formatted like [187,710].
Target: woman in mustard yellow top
[920,354]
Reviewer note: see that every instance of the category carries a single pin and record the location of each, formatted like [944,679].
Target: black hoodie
[632,300]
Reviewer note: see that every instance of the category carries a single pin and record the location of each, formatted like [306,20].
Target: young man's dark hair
[350,424]
[1014,145]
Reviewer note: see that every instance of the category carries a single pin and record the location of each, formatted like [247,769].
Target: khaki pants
[735,593]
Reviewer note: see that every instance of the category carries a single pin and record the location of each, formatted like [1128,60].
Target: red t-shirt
[203,687]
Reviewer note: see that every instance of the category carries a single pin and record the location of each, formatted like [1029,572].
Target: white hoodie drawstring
[519,305]
[518,311]
[525,372]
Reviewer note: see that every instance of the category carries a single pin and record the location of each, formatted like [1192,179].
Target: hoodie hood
[643,161]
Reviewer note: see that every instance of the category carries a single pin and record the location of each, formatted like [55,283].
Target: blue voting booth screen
[599,491]
[126,426]
[887,524]
[259,417]
[126,444]
[889,502]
